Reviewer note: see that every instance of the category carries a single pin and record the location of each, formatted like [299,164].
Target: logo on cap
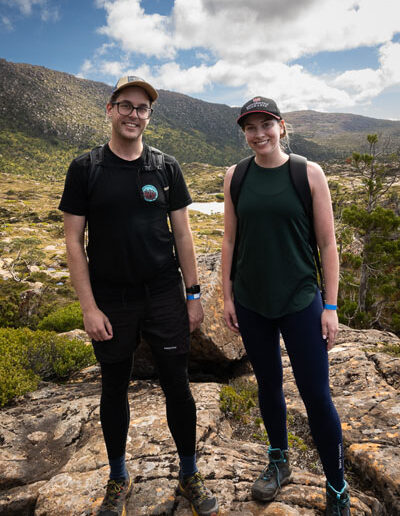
[150,193]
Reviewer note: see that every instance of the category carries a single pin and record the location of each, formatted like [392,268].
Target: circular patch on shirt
[150,193]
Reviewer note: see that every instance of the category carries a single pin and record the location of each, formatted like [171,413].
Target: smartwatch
[194,289]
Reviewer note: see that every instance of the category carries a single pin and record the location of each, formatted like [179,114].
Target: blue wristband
[193,296]
[330,307]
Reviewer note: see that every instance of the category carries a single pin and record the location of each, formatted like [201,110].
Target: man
[129,283]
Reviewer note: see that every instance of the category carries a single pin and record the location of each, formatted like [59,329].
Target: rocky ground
[53,461]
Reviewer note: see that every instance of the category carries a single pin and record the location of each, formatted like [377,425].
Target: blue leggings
[301,332]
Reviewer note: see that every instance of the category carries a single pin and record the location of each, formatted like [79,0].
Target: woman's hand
[330,326]
[230,316]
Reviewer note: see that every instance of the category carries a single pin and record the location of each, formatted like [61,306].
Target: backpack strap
[298,175]
[153,161]
[95,166]
[238,177]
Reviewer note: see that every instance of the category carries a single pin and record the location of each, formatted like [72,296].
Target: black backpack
[153,162]
[298,175]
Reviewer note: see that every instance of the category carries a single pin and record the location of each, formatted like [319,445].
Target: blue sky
[326,55]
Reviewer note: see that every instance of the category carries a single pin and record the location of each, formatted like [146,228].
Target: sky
[324,55]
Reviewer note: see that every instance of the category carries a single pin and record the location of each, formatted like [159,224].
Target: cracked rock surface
[53,460]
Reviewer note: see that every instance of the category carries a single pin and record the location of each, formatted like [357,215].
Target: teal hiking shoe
[273,477]
[114,502]
[337,503]
[202,502]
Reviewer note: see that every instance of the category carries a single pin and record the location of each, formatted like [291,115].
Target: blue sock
[188,466]
[118,468]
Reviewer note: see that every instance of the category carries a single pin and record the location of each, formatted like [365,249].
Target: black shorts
[160,317]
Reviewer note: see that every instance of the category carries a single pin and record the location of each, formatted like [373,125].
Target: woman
[274,290]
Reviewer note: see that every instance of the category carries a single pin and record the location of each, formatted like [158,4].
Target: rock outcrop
[215,350]
[53,460]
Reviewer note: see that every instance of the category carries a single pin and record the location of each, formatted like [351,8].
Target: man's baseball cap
[259,105]
[133,80]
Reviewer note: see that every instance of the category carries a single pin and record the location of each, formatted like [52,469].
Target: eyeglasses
[126,108]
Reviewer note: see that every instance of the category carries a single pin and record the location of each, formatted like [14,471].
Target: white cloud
[368,83]
[25,6]
[136,31]
[50,14]
[7,23]
[104,49]
[252,30]
[86,68]
[113,68]
[47,11]
[250,45]
[390,60]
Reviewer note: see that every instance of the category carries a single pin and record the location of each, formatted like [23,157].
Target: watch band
[194,289]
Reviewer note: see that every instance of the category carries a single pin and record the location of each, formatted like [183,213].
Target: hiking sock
[118,468]
[188,466]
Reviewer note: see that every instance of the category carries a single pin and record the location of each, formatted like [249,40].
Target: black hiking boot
[202,502]
[273,477]
[114,503]
[337,503]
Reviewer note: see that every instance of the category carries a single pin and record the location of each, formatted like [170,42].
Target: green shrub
[237,401]
[28,356]
[392,349]
[64,319]
[15,379]
[10,292]
[18,311]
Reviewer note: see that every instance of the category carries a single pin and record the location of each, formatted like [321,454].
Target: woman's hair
[285,138]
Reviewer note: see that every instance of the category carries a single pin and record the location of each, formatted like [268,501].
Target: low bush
[64,319]
[238,400]
[27,356]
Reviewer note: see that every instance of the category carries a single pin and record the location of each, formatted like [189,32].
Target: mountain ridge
[62,110]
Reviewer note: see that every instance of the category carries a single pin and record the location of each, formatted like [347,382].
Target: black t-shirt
[127,212]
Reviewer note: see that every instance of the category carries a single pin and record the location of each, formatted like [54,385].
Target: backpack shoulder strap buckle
[153,159]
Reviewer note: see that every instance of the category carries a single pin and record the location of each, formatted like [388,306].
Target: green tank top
[275,272]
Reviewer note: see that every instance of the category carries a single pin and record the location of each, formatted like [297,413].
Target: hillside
[47,117]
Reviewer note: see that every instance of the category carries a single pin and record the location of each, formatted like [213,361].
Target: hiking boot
[117,493]
[273,477]
[337,503]
[202,502]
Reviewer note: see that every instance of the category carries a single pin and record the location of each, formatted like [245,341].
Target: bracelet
[330,307]
[193,296]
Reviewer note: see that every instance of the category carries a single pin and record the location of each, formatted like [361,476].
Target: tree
[375,223]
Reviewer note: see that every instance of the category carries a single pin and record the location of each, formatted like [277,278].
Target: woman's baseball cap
[259,105]
[133,80]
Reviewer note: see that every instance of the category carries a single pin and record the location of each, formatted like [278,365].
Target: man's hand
[329,326]
[97,325]
[195,313]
